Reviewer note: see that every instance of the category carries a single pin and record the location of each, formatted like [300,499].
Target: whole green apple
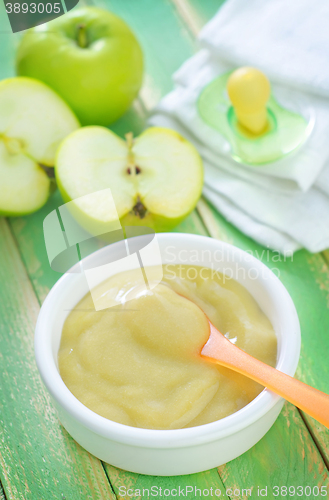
[90,57]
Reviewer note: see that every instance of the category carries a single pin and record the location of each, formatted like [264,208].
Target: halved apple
[33,121]
[155,179]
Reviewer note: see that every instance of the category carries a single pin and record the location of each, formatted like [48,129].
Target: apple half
[155,179]
[33,121]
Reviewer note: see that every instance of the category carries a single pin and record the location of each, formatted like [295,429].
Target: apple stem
[82,36]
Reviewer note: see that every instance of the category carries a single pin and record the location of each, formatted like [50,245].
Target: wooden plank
[2,493]
[148,19]
[195,14]
[167,42]
[6,65]
[285,457]
[199,10]
[326,255]
[287,450]
[119,478]
[39,460]
[190,11]
[157,26]
[216,230]
[191,485]
[28,230]
[191,18]
[8,42]
[306,276]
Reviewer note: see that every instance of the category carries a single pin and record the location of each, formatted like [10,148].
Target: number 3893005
[33,8]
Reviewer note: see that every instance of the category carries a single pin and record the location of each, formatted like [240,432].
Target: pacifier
[258,130]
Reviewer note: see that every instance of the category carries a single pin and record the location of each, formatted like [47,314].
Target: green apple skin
[100,80]
[157,222]
[45,186]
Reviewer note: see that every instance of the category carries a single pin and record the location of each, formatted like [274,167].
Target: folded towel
[285,204]
[288,40]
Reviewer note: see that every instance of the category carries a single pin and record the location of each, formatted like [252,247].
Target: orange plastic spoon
[219,349]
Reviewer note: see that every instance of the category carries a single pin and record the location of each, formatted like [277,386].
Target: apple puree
[138,363]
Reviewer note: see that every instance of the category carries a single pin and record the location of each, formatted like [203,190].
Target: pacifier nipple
[249,91]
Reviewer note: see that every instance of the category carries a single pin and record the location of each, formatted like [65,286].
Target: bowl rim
[176,438]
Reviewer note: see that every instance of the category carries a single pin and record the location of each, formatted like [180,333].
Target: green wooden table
[38,459]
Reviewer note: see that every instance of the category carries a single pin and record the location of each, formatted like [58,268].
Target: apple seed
[138,170]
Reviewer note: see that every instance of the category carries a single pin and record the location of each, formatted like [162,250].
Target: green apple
[155,180]
[33,121]
[90,57]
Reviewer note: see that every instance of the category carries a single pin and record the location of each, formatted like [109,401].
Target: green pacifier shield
[285,131]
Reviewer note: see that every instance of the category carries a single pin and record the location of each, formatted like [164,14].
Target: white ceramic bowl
[182,451]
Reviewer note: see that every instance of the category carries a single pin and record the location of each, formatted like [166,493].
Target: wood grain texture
[7,51]
[8,44]
[286,456]
[191,485]
[306,276]
[288,451]
[191,18]
[38,459]
[326,256]
[28,232]
[2,493]
[157,24]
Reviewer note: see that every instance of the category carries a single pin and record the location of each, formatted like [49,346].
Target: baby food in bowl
[139,363]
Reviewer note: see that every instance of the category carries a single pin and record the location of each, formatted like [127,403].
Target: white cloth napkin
[288,39]
[283,205]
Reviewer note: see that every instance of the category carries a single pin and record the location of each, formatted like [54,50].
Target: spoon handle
[312,401]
